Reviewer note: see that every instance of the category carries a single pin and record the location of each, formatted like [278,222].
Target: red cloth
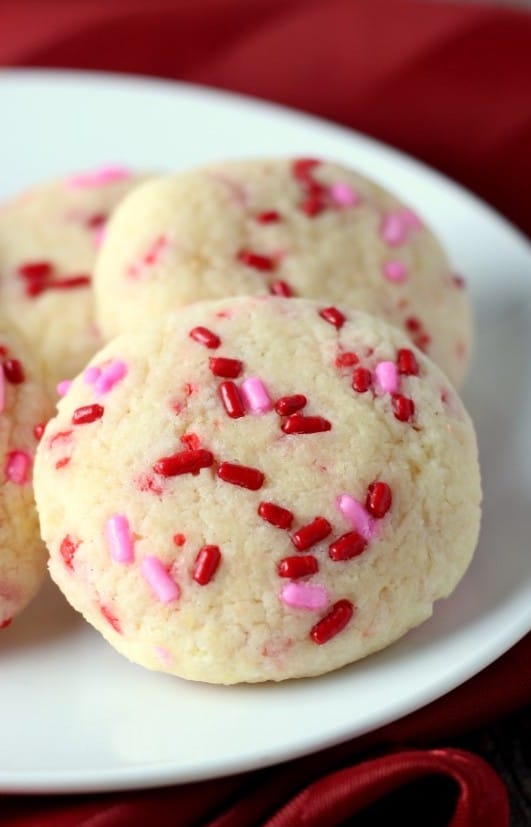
[448,83]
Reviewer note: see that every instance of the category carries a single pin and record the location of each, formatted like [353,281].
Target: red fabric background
[448,83]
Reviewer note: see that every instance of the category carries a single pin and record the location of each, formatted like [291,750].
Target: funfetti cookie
[49,237]
[258,489]
[287,227]
[24,410]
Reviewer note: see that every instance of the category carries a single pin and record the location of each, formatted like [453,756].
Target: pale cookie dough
[301,227]
[224,491]
[24,409]
[49,237]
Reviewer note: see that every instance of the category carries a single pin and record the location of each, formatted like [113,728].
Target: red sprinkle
[275,514]
[86,414]
[191,441]
[413,324]
[13,371]
[302,166]
[35,270]
[155,250]
[332,623]
[346,360]
[256,260]
[300,566]
[232,401]
[67,549]
[314,201]
[403,407]
[333,316]
[60,436]
[281,288]
[35,287]
[228,368]
[111,619]
[406,362]
[96,220]
[38,430]
[268,217]
[361,380]
[179,539]
[348,546]
[313,204]
[299,424]
[422,341]
[379,499]
[206,564]
[68,282]
[35,274]
[62,462]
[310,534]
[5,623]
[242,475]
[184,462]
[287,405]
[145,482]
[419,335]
[205,337]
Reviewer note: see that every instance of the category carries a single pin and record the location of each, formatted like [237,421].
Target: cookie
[24,410]
[258,489]
[49,237]
[288,227]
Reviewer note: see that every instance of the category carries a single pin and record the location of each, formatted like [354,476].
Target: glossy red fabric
[446,82]
[334,798]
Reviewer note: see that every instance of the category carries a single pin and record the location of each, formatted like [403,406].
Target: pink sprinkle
[119,539]
[393,229]
[98,177]
[63,387]
[303,596]
[109,376]
[91,374]
[255,395]
[386,377]
[98,236]
[156,574]
[343,194]
[395,270]
[2,391]
[17,467]
[411,219]
[356,514]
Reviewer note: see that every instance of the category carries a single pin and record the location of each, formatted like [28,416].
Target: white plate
[75,715]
